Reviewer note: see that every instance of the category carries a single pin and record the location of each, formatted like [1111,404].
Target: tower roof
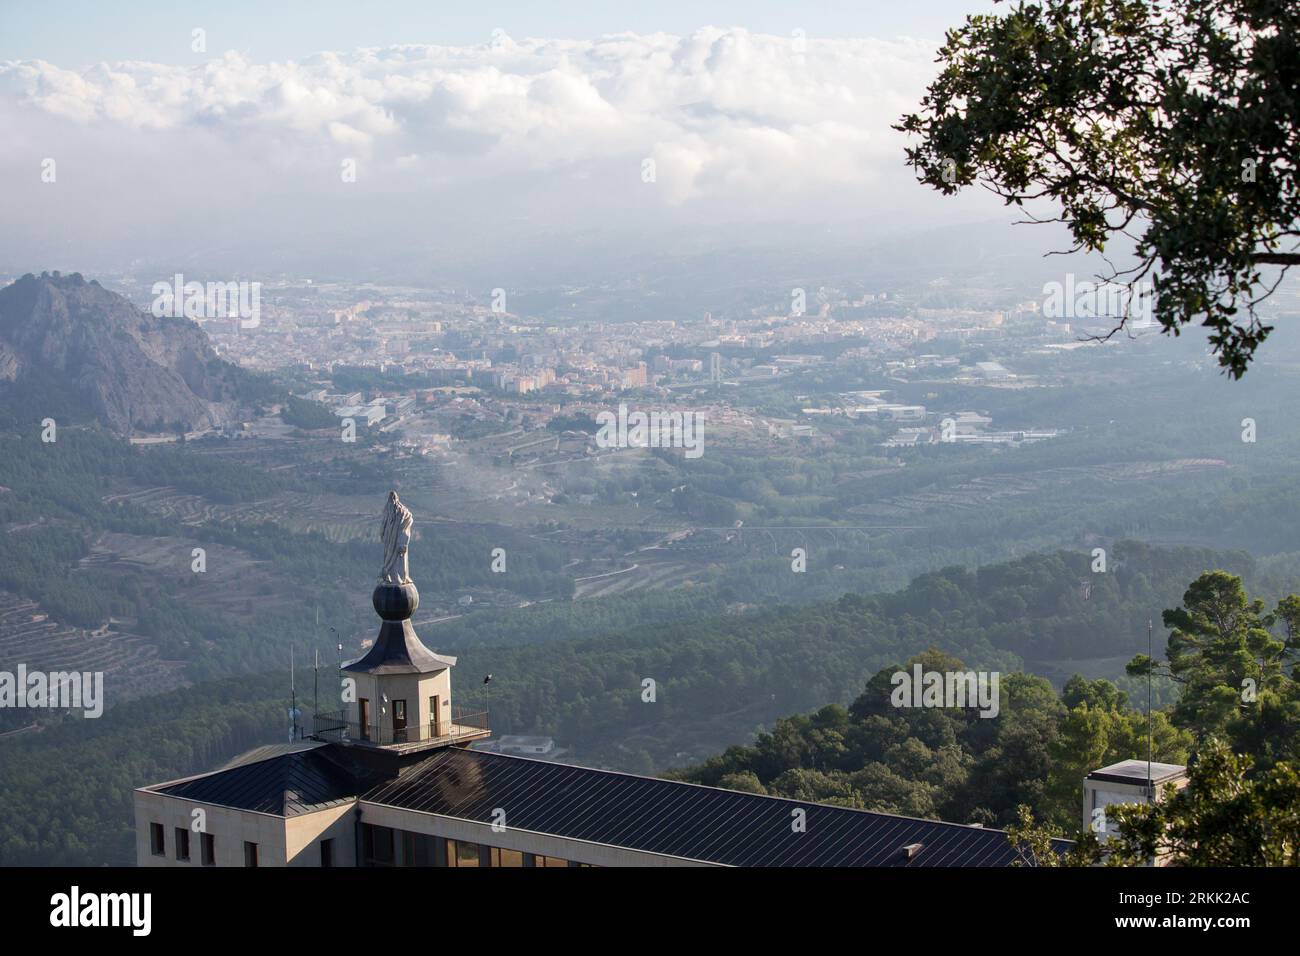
[398,650]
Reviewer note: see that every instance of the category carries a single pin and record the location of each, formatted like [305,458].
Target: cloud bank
[720,109]
[625,129]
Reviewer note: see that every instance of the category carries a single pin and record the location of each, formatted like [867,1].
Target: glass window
[182,844]
[208,849]
[250,854]
[156,840]
[399,722]
[460,853]
[377,845]
[417,849]
[326,854]
[502,857]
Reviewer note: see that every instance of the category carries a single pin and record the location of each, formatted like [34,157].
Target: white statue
[396,535]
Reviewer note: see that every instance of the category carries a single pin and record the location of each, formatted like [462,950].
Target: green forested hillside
[1237,660]
[717,681]
[727,658]
[56,497]
[945,763]
[65,792]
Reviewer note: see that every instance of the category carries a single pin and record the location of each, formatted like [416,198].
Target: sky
[78,34]
[438,139]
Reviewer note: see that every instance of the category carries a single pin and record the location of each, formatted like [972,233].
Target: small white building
[369,414]
[1129,781]
[512,744]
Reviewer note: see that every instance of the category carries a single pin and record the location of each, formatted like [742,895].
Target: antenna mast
[315,686]
[293,701]
[1150,795]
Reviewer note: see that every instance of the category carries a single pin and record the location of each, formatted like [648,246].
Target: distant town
[448,366]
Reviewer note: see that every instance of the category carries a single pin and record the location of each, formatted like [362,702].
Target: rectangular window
[182,844]
[399,721]
[326,854]
[461,853]
[208,849]
[502,857]
[250,854]
[417,849]
[156,840]
[376,845]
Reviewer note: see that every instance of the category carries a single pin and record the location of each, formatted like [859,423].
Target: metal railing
[335,727]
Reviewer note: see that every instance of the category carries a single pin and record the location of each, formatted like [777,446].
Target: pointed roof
[398,650]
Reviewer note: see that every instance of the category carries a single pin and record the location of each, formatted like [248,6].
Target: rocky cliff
[133,372]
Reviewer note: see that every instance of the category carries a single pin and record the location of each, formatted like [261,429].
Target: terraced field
[649,572]
[337,517]
[976,494]
[131,664]
[223,587]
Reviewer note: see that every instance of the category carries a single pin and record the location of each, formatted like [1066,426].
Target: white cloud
[725,113]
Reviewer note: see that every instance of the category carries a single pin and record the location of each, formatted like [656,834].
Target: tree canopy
[1171,123]
[1237,665]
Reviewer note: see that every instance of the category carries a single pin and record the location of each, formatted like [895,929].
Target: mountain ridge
[130,370]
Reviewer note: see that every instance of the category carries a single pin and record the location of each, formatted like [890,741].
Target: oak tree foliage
[1172,123]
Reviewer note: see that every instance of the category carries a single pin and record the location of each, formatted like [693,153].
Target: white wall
[282,841]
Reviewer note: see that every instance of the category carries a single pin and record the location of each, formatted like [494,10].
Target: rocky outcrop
[132,371]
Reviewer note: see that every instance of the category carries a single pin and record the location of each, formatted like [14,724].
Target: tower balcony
[464,726]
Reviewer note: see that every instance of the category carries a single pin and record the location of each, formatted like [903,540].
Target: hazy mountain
[91,350]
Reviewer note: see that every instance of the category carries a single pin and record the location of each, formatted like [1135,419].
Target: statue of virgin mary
[396,535]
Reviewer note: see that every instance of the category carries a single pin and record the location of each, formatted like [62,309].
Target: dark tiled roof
[284,780]
[678,819]
[268,751]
